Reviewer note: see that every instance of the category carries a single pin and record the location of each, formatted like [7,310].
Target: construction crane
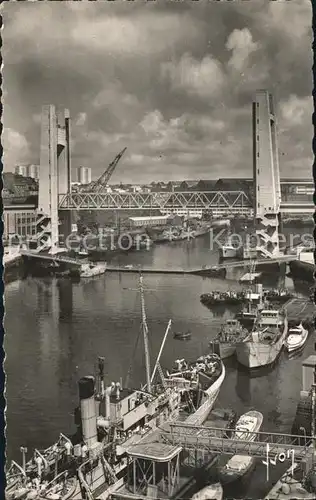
[105,177]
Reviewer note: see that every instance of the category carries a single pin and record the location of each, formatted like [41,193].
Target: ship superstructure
[264,344]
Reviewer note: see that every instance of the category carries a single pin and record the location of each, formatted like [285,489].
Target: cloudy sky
[172,81]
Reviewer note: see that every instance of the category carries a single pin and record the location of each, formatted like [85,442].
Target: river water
[56,329]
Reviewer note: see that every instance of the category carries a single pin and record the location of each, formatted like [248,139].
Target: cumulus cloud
[296,111]
[81,119]
[15,146]
[171,82]
[241,44]
[203,78]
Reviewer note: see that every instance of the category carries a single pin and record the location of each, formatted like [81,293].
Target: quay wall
[303,417]
[13,269]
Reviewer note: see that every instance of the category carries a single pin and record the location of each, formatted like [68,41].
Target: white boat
[210,492]
[297,338]
[239,465]
[264,344]
[89,270]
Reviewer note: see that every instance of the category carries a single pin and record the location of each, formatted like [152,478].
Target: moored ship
[210,492]
[239,465]
[111,419]
[207,375]
[88,270]
[264,344]
[225,342]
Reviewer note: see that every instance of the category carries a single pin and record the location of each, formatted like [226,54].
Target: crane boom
[105,177]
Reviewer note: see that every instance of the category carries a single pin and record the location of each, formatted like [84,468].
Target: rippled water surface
[55,329]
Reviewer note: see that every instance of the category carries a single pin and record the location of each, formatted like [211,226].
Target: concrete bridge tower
[267,197]
[54,174]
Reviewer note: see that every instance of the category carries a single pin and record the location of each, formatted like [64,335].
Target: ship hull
[226,351]
[257,354]
[208,400]
[211,492]
[296,342]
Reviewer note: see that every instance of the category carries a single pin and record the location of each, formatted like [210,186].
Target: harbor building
[19,220]
[192,213]
[156,220]
[84,175]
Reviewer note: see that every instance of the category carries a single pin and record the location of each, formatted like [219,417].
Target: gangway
[214,440]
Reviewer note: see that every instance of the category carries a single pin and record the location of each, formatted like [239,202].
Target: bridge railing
[216,440]
[155,200]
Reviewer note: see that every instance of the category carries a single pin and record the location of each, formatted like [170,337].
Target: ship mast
[145,333]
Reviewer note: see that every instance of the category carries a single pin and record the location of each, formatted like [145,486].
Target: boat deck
[157,452]
[300,309]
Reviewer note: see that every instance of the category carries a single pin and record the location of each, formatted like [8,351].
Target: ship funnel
[88,410]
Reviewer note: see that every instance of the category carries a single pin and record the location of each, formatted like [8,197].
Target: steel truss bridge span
[231,201]
[215,440]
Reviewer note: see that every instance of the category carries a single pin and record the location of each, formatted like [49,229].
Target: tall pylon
[266,174]
[54,174]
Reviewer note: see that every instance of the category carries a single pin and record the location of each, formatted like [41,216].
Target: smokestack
[88,410]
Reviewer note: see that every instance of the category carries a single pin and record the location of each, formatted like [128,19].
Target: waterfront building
[156,220]
[19,220]
[182,212]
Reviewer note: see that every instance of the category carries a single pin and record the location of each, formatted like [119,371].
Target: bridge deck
[52,257]
[243,263]
[214,440]
[148,270]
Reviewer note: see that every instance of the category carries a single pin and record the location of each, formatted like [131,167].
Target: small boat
[182,335]
[88,270]
[230,297]
[280,295]
[210,492]
[239,465]
[225,342]
[297,338]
